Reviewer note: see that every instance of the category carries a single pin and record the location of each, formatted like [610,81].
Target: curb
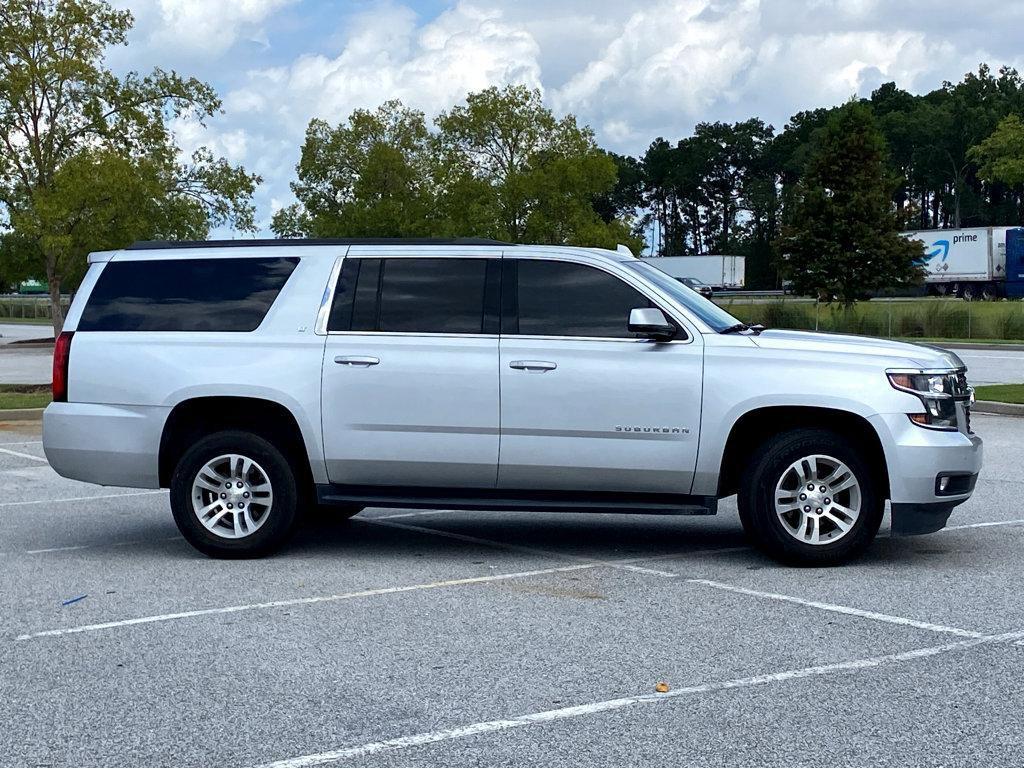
[21,415]
[15,346]
[977,346]
[996,407]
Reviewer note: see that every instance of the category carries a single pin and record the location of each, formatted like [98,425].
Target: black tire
[756,499]
[273,532]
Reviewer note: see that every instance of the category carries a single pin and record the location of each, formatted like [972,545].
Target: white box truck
[718,271]
[968,262]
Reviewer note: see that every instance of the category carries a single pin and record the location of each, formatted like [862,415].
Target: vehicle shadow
[453,536]
[570,535]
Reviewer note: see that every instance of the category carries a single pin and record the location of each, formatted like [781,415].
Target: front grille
[962,392]
[960,387]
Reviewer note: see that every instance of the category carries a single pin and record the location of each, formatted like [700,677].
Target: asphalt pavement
[461,639]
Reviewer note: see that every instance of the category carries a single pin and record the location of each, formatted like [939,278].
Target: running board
[511,499]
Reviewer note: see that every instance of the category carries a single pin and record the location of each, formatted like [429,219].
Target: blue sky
[632,70]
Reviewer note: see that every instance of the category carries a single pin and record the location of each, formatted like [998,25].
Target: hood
[896,353]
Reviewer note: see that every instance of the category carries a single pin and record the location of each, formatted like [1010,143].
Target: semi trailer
[969,262]
[718,271]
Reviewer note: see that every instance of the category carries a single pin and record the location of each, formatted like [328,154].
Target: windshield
[709,312]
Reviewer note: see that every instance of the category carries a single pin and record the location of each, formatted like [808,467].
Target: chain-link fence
[28,307]
[892,318]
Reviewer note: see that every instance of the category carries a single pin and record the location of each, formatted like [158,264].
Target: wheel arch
[752,428]
[196,417]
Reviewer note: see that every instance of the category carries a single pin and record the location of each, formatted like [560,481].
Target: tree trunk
[56,310]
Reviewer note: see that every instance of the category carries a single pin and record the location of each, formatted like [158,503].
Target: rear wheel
[233,495]
[809,499]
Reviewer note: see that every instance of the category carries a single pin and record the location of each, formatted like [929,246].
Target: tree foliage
[367,177]
[1000,157]
[87,158]
[952,153]
[501,166]
[841,238]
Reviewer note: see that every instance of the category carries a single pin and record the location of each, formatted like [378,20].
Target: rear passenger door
[585,404]
[410,373]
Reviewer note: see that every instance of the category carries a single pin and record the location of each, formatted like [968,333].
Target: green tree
[508,168]
[368,177]
[85,155]
[1000,157]
[841,238]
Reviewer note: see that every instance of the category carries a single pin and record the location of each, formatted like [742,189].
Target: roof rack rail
[149,245]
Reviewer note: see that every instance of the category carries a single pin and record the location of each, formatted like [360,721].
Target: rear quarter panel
[280,361]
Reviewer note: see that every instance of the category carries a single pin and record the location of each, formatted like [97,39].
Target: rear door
[410,372]
[585,404]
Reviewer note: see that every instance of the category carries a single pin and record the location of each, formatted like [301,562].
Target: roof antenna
[621,249]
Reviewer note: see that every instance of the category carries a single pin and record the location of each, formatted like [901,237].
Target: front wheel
[234,495]
[810,499]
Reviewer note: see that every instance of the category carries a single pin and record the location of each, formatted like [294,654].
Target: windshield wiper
[756,328]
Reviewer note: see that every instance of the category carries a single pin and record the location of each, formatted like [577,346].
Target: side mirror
[651,322]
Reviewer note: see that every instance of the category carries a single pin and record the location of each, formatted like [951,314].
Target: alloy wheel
[818,499]
[232,496]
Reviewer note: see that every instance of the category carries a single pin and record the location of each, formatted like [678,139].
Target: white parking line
[411,514]
[304,601]
[82,499]
[592,708]
[848,610]
[102,544]
[984,525]
[23,455]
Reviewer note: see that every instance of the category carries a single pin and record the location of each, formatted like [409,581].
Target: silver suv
[260,379]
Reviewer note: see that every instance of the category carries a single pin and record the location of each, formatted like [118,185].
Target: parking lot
[453,638]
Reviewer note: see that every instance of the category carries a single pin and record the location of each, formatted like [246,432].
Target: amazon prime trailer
[968,262]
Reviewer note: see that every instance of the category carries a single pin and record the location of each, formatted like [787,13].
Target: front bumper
[916,457]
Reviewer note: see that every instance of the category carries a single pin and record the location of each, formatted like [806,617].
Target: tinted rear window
[185,294]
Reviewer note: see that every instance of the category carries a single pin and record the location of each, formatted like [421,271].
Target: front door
[585,405]
[410,373]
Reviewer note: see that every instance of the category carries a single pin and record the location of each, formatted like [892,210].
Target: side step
[512,499]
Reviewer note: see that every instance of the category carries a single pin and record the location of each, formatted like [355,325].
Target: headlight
[938,392]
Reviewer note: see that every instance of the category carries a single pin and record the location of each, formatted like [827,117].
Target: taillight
[61,358]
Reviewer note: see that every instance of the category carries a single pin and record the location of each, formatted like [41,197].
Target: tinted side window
[450,296]
[565,299]
[355,297]
[185,294]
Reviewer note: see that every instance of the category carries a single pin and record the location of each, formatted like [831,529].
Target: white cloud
[204,29]
[633,70]
[679,62]
[387,56]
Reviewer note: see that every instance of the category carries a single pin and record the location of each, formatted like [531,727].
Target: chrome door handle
[357,360]
[534,365]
